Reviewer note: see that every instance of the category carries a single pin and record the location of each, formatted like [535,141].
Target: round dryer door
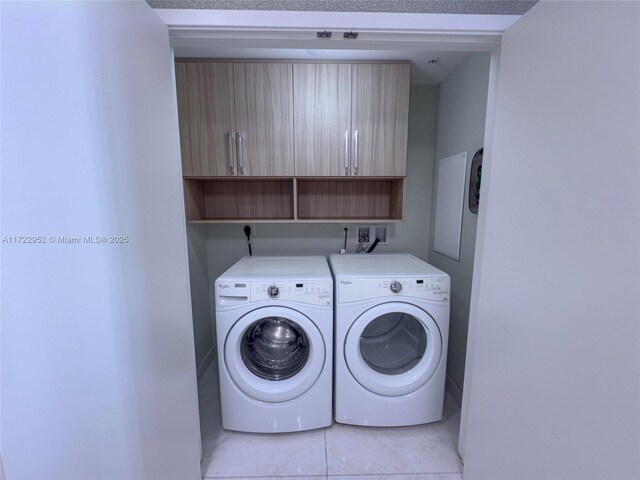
[393,349]
[274,354]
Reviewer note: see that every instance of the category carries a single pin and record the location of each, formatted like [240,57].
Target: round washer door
[274,354]
[393,349]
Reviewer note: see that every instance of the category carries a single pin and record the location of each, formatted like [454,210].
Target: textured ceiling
[482,7]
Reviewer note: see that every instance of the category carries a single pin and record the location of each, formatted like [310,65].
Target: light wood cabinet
[264,118]
[206,116]
[236,119]
[305,126]
[322,98]
[351,120]
[379,119]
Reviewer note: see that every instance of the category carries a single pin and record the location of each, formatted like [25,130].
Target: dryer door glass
[393,343]
[275,348]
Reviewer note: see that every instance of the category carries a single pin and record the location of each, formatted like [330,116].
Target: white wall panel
[554,389]
[450,187]
[98,370]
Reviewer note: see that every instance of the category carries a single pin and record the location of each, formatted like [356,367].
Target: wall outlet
[363,234]
[381,234]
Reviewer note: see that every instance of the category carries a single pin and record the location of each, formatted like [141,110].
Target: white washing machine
[391,331]
[274,323]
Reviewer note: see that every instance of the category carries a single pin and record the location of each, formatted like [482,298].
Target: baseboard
[454,390]
[206,361]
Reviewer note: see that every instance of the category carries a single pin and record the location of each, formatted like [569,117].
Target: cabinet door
[206,116]
[322,99]
[380,115]
[264,114]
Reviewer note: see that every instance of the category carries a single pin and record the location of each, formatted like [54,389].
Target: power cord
[247,232]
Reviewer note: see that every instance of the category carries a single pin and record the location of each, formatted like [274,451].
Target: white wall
[98,372]
[226,243]
[462,107]
[553,390]
[2,474]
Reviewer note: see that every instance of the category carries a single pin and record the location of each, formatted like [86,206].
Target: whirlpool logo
[345,282]
[222,286]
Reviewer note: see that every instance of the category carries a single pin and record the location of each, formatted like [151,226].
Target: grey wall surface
[553,385]
[462,106]
[226,243]
[200,296]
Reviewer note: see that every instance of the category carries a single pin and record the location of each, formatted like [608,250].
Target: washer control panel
[310,292]
[428,288]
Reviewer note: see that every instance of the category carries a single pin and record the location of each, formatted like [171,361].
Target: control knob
[396,287]
[273,291]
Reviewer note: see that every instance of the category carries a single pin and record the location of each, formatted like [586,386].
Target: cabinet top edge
[296,61]
[236,178]
[301,220]
[349,178]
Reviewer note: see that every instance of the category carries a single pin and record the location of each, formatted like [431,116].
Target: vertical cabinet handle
[241,151]
[346,152]
[232,142]
[355,152]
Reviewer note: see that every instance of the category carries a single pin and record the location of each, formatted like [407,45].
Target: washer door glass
[393,348]
[275,348]
[393,343]
[275,354]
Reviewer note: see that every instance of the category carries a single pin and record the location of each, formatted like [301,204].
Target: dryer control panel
[427,288]
[310,292]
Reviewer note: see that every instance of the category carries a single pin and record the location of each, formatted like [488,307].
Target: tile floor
[426,452]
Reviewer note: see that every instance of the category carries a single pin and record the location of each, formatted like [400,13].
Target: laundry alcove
[100,343]
[447,110]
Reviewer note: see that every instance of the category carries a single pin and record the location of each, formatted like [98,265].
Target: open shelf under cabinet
[338,199]
[222,200]
[293,200]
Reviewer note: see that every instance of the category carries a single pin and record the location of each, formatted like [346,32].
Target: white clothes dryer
[274,325]
[391,332]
